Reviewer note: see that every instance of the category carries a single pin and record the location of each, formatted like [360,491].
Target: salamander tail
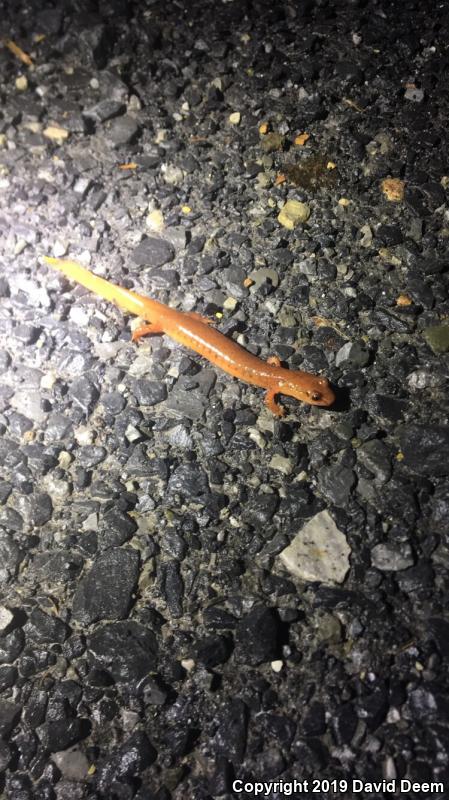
[124,298]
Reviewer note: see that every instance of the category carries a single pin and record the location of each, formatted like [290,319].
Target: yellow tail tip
[52,261]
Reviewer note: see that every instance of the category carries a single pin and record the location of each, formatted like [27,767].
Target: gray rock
[29,403]
[72,763]
[149,393]
[190,404]
[46,629]
[336,482]
[387,557]
[426,449]
[106,591]
[257,636]
[58,427]
[127,650]
[104,110]
[375,456]
[36,509]
[153,252]
[91,455]
[123,131]
[352,355]
[9,717]
[84,394]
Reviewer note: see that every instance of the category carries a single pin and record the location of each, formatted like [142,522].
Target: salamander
[193,330]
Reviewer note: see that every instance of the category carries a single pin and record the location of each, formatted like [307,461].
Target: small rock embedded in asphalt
[72,763]
[104,110]
[352,354]
[293,213]
[375,456]
[85,394]
[149,393]
[123,131]
[36,509]
[437,337]
[132,758]
[231,736]
[319,552]
[127,650]
[106,591]
[336,483]
[257,636]
[389,558]
[425,449]
[63,733]
[153,252]
[46,628]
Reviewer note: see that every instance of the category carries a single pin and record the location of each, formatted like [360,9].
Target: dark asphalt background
[157,638]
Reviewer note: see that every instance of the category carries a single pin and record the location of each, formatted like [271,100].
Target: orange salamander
[192,330]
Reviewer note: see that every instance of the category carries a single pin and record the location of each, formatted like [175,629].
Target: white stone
[319,552]
[6,617]
[72,763]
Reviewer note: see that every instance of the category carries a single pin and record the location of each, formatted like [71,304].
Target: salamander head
[308,388]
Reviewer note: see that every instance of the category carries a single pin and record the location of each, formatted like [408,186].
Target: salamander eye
[315,396]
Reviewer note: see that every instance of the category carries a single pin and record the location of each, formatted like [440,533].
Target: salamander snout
[309,389]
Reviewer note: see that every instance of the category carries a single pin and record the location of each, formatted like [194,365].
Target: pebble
[29,403]
[60,734]
[153,252]
[123,131]
[283,465]
[352,354]
[422,447]
[9,717]
[336,483]
[389,558]
[293,213]
[272,141]
[257,636]
[84,394]
[127,650]
[319,552]
[149,393]
[155,220]
[393,189]
[104,110]
[232,727]
[376,457]
[6,617]
[72,763]
[414,94]
[106,591]
[36,509]
[437,337]
[56,134]
[22,83]
[132,758]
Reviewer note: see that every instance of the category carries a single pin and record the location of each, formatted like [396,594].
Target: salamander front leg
[148,329]
[275,361]
[271,403]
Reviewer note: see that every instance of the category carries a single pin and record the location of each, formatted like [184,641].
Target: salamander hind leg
[271,403]
[275,361]
[149,329]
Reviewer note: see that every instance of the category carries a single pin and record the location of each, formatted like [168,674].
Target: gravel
[194,591]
